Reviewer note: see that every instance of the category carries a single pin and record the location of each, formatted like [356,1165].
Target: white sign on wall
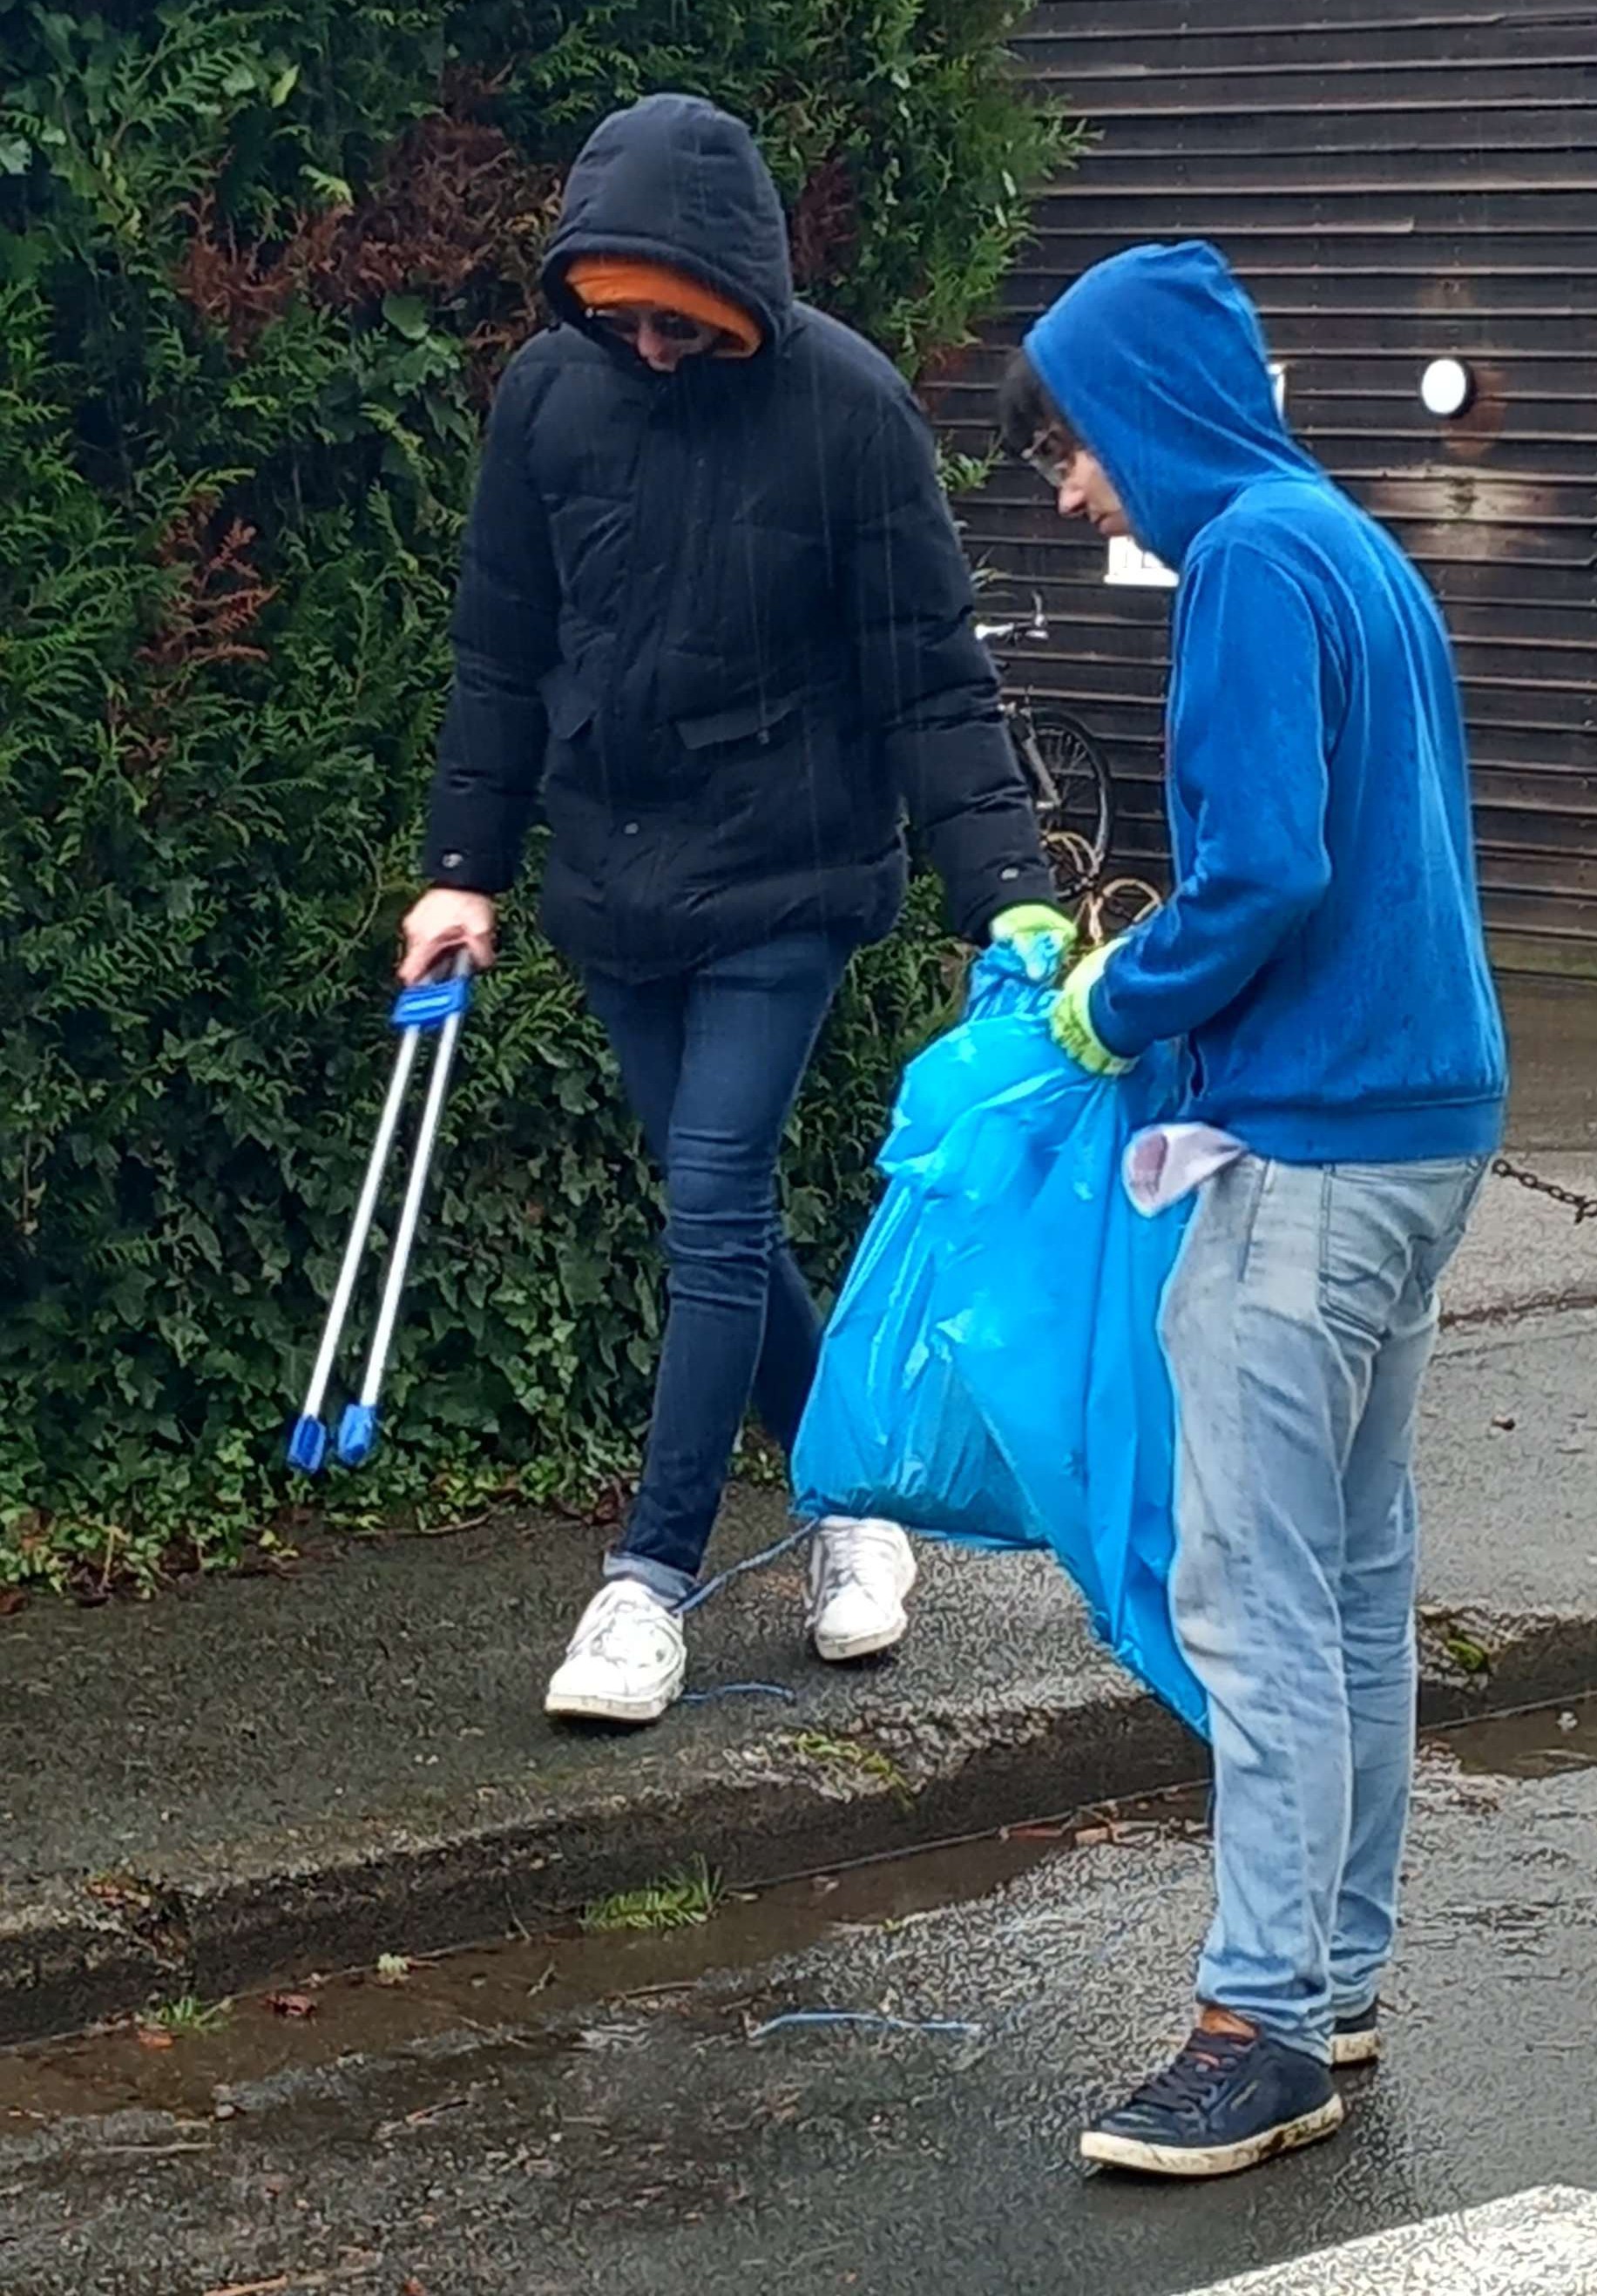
[1131,568]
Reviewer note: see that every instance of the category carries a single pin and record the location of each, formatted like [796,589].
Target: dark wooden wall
[1395,180]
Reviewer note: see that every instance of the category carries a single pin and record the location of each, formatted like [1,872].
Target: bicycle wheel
[1073,794]
[1114,907]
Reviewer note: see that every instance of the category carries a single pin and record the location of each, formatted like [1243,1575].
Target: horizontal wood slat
[1395,180]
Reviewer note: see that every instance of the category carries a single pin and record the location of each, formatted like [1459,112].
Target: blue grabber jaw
[357,1434]
[307,1446]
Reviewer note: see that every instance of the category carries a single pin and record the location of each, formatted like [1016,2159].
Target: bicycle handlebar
[1002,633]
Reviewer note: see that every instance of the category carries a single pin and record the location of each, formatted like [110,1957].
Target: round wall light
[1447,386]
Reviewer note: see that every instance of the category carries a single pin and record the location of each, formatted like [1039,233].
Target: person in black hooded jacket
[714,626]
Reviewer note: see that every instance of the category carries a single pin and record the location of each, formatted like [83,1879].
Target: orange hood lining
[604,282]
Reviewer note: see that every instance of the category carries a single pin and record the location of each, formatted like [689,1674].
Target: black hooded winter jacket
[715,626]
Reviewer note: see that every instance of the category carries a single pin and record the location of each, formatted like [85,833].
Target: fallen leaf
[150,2151]
[151,2036]
[413,2287]
[292,2004]
[12,1599]
[422,2118]
[117,1889]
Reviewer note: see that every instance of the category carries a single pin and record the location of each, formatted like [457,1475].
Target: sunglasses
[671,327]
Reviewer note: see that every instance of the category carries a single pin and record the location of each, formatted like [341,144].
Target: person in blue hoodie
[1323,957]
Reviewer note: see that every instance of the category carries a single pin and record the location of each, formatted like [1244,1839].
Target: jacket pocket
[567,705]
[753,723]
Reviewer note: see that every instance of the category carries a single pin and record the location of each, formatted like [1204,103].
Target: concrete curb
[781,1802]
[72,1955]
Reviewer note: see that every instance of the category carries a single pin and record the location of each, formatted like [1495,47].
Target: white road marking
[1539,2243]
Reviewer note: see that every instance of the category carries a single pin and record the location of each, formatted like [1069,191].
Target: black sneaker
[1226,2102]
[1356,2040]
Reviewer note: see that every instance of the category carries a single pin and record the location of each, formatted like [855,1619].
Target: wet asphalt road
[595,2114]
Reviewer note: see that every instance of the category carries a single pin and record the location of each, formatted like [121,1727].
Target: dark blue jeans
[712,1062]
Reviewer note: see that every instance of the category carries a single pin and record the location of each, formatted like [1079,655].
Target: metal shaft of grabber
[358,1430]
[308,1444]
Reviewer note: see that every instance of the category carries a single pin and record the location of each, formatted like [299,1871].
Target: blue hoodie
[1322,953]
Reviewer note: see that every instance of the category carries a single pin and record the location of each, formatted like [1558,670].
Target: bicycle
[1072,792]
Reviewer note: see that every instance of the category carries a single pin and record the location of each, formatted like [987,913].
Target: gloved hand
[1071,1021]
[1043,939]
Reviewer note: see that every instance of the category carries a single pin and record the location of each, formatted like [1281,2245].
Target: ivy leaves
[258,268]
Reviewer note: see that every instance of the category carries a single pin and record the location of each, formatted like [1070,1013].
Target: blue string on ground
[754,1562]
[740,1690]
[867,2017]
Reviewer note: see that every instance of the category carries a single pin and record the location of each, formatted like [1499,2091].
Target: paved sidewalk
[196,1792]
[1525,1250]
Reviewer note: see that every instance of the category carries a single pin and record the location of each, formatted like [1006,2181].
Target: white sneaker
[859,1573]
[625,1662]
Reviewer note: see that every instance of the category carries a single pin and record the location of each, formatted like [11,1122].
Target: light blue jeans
[1298,1325]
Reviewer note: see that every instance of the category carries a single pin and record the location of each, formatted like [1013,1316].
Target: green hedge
[259,263]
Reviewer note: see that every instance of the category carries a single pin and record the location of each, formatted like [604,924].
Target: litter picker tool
[435,1008]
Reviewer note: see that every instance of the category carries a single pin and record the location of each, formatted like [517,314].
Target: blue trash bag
[993,1372]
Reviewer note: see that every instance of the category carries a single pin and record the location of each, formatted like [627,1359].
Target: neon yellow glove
[1043,939]
[1071,1021]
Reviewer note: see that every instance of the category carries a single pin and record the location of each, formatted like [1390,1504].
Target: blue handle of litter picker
[431,1003]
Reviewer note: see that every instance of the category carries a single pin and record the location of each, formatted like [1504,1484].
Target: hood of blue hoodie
[1157,360]
[676,180]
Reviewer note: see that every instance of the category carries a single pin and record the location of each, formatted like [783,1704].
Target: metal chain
[1584,1208]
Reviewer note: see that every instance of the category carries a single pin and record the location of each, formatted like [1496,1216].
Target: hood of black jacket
[674,180]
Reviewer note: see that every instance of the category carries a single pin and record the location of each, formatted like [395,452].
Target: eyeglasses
[671,326]
[1052,466]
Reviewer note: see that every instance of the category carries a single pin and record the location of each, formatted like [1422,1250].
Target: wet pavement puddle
[1543,1742]
[526,1991]
[527,1983]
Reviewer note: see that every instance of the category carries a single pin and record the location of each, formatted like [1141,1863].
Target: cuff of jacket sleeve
[464,868]
[1015,887]
[1114,1040]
